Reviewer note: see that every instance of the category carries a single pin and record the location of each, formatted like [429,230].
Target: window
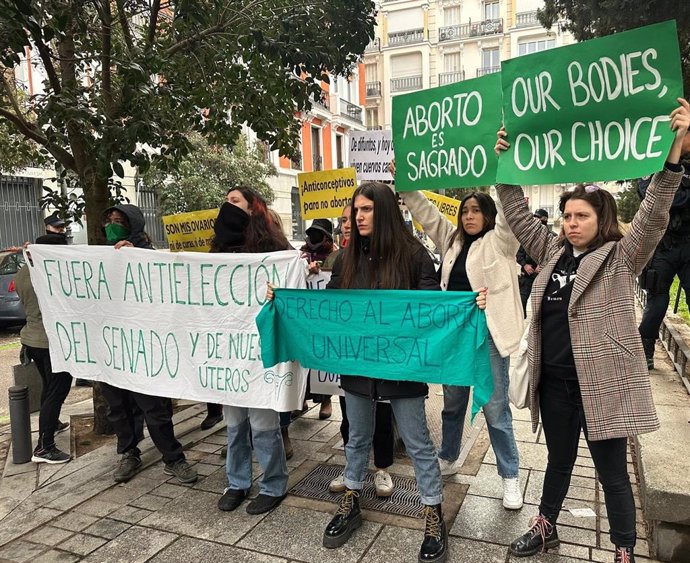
[527,47]
[339,151]
[372,118]
[316,149]
[451,62]
[491,10]
[491,58]
[451,15]
[370,73]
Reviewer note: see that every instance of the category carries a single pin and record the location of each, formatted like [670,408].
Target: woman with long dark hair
[479,253]
[587,365]
[244,225]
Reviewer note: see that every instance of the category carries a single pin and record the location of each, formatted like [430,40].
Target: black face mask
[315,237]
[230,225]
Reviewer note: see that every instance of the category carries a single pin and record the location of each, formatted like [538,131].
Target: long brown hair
[489,211]
[391,245]
[605,208]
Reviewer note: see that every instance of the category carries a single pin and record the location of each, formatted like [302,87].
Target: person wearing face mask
[528,267]
[123,226]
[479,253]
[587,367]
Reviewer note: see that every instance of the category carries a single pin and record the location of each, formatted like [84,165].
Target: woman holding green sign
[587,365]
[479,253]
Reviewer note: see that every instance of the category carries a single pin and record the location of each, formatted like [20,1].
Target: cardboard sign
[444,137]
[324,194]
[594,111]
[190,232]
[370,154]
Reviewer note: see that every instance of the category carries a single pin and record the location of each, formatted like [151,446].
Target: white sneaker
[512,496]
[338,484]
[448,467]
[383,483]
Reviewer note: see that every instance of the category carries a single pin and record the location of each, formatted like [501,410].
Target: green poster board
[444,137]
[593,111]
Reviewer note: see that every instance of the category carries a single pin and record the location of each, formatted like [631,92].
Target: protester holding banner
[244,225]
[479,253]
[587,364]
[56,385]
[123,226]
[382,254]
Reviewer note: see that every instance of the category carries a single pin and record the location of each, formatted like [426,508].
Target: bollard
[20,423]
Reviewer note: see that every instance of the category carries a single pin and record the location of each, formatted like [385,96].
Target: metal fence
[147,200]
[21,218]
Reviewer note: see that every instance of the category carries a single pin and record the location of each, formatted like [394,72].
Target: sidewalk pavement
[75,512]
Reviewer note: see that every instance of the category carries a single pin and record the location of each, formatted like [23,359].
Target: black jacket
[382,389]
[137,222]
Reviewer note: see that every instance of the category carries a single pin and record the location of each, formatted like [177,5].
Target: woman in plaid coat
[587,364]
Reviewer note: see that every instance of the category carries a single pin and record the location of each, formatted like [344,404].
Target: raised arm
[650,221]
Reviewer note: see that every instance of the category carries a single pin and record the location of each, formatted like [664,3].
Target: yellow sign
[324,194]
[449,206]
[190,232]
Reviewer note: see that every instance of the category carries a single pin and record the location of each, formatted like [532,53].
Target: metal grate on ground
[404,501]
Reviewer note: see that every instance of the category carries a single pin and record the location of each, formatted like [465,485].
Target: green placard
[593,111]
[444,137]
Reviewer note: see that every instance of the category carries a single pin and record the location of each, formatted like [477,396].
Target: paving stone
[150,502]
[302,429]
[169,490]
[485,519]
[571,550]
[401,545]
[21,551]
[190,549]
[215,482]
[56,556]
[298,533]
[213,459]
[305,450]
[523,432]
[130,514]
[24,522]
[49,535]
[327,432]
[81,544]
[204,469]
[536,483]
[107,528]
[97,507]
[532,456]
[196,514]
[487,482]
[205,447]
[74,521]
[220,438]
[136,545]
[552,556]
[121,494]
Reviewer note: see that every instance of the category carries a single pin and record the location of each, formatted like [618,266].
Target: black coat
[425,277]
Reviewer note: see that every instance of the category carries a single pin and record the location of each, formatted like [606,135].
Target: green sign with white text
[598,110]
[444,137]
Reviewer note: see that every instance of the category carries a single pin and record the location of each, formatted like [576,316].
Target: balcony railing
[373,89]
[323,102]
[450,77]
[406,37]
[526,19]
[487,70]
[472,29]
[351,110]
[374,127]
[406,83]
[373,46]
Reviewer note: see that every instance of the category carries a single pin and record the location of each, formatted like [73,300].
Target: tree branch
[30,131]
[106,50]
[44,53]
[153,20]
[124,24]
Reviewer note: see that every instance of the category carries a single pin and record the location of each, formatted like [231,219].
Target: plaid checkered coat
[607,348]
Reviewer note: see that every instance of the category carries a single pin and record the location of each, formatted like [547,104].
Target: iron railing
[487,70]
[451,77]
[373,45]
[373,89]
[471,29]
[351,110]
[406,83]
[406,37]
[526,19]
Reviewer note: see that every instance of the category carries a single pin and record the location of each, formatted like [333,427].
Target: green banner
[428,336]
[593,111]
[444,137]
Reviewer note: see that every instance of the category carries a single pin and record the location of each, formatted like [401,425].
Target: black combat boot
[541,536]
[648,345]
[624,555]
[435,544]
[346,520]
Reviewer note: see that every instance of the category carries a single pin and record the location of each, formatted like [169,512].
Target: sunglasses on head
[592,188]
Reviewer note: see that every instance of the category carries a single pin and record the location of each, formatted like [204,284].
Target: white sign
[370,154]
[325,383]
[174,325]
[318,280]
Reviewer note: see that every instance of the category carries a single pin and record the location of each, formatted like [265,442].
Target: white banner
[324,383]
[370,154]
[174,325]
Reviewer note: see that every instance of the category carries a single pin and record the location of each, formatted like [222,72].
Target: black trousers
[525,284]
[562,418]
[125,410]
[55,390]
[383,442]
[667,262]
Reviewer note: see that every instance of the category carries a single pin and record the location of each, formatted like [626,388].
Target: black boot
[648,345]
[541,536]
[346,520]
[435,544]
[624,555]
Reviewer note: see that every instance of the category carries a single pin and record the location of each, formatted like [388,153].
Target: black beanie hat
[52,238]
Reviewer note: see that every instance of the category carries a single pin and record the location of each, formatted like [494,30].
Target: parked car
[11,310]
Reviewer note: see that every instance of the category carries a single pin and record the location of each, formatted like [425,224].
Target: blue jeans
[268,445]
[499,418]
[411,419]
